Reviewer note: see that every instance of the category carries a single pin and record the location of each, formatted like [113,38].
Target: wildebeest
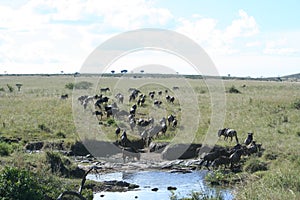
[100,101]
[98,113]
[174,123]
[249,139]
[172,99]
[175,88]
[236,157]
[104,89]
[210,157]
[117,131]
[222,160]
[124,140]
[170,118]
[132,124]
[226,132]
[64,96]
[119,97]
[157,103]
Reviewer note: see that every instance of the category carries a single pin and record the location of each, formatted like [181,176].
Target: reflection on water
[185,183]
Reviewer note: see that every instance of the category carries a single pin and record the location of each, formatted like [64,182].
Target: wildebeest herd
[137,121]
[231,156]
[146,127]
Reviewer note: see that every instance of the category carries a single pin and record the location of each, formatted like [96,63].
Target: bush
[19,184]
[10,88]
[80,85]
[69,86]
[296,104]
[5,149]
[232,89]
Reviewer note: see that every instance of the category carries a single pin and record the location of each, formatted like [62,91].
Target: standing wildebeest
[172,99]
[119,97]
[124,140]
[157,103]
[117,131]
[104,89]
[249,139]
[226,132]
[64,96]
[210,157]
[222,160]
[236,157]
[98,113]
[171,118]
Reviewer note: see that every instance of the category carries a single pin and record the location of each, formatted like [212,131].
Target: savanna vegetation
[36,113]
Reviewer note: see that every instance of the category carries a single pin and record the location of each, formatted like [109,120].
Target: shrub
[232,89]
[2,89]
[296,104]
[19,184]
[69,86]
[10,88]
[80,85]
[5,149]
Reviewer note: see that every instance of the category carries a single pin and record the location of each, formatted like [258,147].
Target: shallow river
[185,184]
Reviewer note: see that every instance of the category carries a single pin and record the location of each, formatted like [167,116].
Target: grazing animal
[210,157]
[157,103]
[172,99]
[117,131]
[132,124]
[64,96]
[236,157]
[98,113]
[160,93]
[249,139]
[119,97]
[175,88]
[130,153]
[168,97]
[171,118]
[174,123]
[222,160]
[124,140]
[226,132]
[104,89]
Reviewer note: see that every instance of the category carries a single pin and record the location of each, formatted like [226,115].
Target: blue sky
[243,38]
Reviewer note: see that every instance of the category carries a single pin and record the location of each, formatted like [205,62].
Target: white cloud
[215,40]
[278,47]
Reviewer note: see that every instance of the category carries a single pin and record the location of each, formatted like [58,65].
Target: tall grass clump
[80,85]
[5,149]
[296,104]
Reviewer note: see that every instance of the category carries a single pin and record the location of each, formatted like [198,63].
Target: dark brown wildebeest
[236,157]
[210,157]
[222,160]
[104,89]
[170,118]
[249,139]
[226,132]
[98,113]
[64,96]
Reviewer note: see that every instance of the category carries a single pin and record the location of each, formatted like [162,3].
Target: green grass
[268,109]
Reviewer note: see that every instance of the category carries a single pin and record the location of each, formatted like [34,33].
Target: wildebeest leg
[237,140]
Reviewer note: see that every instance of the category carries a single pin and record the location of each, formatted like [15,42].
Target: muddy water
[147,180]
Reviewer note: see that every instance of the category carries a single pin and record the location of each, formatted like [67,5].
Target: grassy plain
[268,109]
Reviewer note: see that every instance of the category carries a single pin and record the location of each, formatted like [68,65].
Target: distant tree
[19,85]
[142,71]
[61,72]
[76,74]
[124,71]
[112,71]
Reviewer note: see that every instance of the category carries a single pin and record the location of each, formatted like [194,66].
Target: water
[185,183]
